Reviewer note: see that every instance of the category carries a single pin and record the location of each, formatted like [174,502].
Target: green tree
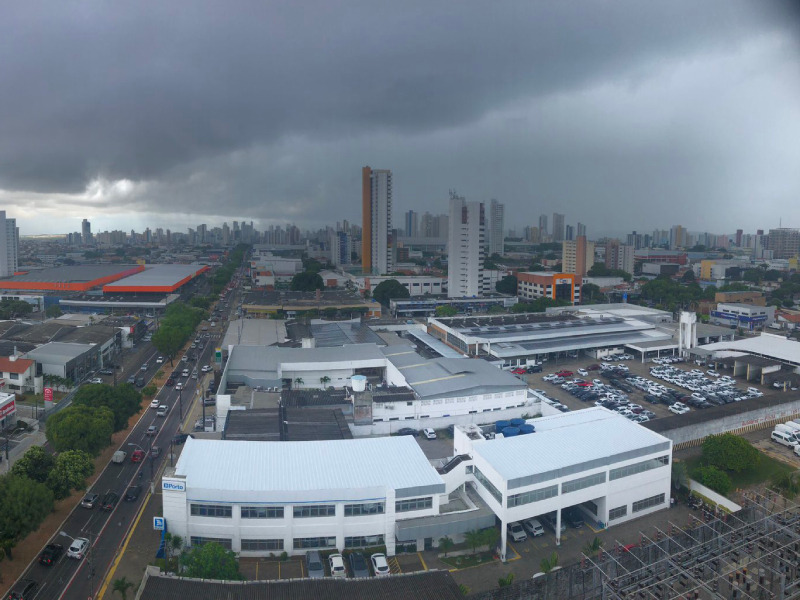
[496,309]
[298,381]
[713,478]
[35,464]
[446,311]
[680,475]
[505,581]
[306,281]
[549,563]
[729,452]
[124,401]
[507,285]
[70,471]
[490,536]
[324,380]
[389,289]
[688,277]
[25,504]
[446,544]
[11,309]
[593,547]
[211,561]
[589,292]
[53,311]
[752,275]
[149,391]
[474,539]
[81,428]
[787,483]
[122,585]
[168,340]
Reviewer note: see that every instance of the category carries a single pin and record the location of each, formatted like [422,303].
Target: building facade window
[262,512]
[648,503]
[532,496]
[617,513]
[488,485]
[260,545]
[366,508]
[211,510]
[363,541]
[315,542]
[636,468]
[314,510]
[413,504]
[583,482]
[197,540]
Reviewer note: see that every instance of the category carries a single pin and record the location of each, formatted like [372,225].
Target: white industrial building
[268,497]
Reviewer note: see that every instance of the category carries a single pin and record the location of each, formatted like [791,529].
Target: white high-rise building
[466,248]
[497,229]
[9,245]
[376,214]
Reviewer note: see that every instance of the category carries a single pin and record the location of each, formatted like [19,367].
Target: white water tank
[358,383]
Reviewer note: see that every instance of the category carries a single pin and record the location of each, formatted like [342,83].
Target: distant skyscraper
[497,229]
[577,256]
[9,245]
[558,227]
[580,230]
[340,248]
[784,242]
[466,248]
[86,232]
[569,232]
[543,230]
[739,234]
[677,237]
[376,218]
[412,224]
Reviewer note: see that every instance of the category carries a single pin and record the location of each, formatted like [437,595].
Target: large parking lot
[631,381]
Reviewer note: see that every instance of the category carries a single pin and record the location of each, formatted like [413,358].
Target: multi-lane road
[79,579]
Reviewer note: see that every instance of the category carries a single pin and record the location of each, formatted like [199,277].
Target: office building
[411,225]
[9,245]
[677,237]
[496,228]
[86,232]
[569,232]
[784,242]
[581,230]
[543,231]
[577,256]
[376,217]
[544,284]
[558,227]
[466,248]
[619,256]
[340,248]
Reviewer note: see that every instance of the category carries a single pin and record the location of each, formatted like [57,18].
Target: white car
[206,368]
[379,564]
[679,408]
[336,563]
[583,372]
[179,386]
[78,548]
[516,532]
[154,404]
[429,433]
[160,360]
[96,380]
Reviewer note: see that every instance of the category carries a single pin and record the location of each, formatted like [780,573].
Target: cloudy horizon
[620,114]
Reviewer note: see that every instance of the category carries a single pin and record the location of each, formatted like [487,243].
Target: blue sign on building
[158,523]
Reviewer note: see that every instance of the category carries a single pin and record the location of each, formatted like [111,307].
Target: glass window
[488,485]
[616,513]
[314,510]
[363,541]
[211,510]
[640,467]
[199,541]
[648,503]
[367,508]
[262,512]
[413,504]
[256,545]
[583,482]
[315,542]
[532,496]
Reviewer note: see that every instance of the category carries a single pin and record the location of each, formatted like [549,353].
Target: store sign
[173,486]
[48,394]
[8,409]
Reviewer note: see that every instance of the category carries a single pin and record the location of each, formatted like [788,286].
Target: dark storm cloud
[269,109]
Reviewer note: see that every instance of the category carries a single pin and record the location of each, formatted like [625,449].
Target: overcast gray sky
[623,114]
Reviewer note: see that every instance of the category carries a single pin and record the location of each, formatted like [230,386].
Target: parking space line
[422,560]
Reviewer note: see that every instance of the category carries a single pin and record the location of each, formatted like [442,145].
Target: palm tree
[490,537]
[474,539]
[298,381]
[550,563]
[591,548]
[324,380]
[122,585]
[446,543]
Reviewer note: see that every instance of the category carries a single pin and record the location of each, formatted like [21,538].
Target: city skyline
[619,116]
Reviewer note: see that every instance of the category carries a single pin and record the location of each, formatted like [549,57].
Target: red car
[593,368]
[137,456]
[519,371]
[564,373]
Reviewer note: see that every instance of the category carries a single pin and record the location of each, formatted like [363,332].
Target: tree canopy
[35,464]
[507,285]
[306,281]
[69,472]
[538,305]
[589,293]
[729,452]
[25,504]
[81,428]
[123,401]
[599,269]
[388,289]
[11,309]
[714,478]
[446,311]
[211,561]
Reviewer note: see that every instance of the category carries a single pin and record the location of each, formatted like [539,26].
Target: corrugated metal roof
[433,343]
[235,466]
[577,342]
[563,440]
[767,344]
[157,275]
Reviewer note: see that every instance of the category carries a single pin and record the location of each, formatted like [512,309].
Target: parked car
[90,500]
[336,564]
[533,527]
[314,566]
[51,554]
[24,589]
[407,431]
[516,532]
[78,548]
[106,371]
[573,517]
[429,433]
[109,501]
[133,493]
[379,564]
[96,380]
[180,438]
[358,565]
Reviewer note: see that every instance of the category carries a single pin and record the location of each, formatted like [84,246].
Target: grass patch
[469,560]
[766,470]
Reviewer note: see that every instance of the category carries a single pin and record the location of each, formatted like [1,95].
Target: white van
[794,425]
[783,439]
[793,433]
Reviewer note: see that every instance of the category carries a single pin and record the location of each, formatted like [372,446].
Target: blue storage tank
[525,428]
[510,431]
[517,422]
[500,425]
